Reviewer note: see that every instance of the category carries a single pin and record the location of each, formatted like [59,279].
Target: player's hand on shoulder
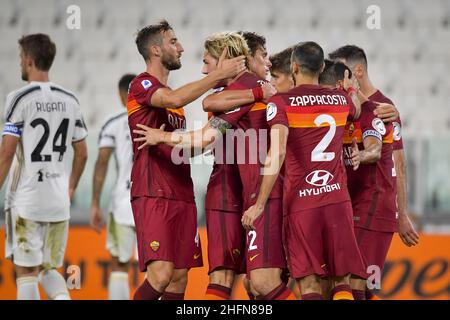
[149,136]
[97,223]
[386,112]
[268,91]
[229,68]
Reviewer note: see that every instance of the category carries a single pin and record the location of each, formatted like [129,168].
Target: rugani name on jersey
[51,106]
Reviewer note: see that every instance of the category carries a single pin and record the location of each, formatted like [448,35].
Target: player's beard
[171,63]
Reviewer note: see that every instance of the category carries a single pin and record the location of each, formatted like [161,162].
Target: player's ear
[291,81]
[323,67]
[359,70]
[29,62]
[294,67]
[155,51]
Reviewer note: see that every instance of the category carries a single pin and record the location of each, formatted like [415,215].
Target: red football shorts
[374,246]
[264,244]
[321,241]
[166,230]
[226,241]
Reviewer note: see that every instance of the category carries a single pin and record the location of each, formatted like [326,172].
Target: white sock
[27,288]
[54,285]
[118,288]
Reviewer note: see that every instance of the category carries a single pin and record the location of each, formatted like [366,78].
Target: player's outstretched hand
[229,68]
[250,216]
[97,223]
[386,112]
[268,91]
[406,231]
[355,155]
[149,136]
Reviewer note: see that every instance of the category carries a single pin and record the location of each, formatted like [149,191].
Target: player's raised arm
[230,99]
[227,68]
[351,87]
[201,138]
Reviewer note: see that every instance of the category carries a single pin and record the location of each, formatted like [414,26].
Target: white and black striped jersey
[47,120]
[115,133]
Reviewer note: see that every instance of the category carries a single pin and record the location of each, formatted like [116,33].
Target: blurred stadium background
[409,60]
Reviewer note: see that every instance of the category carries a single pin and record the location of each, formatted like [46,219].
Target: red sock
[217,292]
[172,296]
[342,292]
[359,294]
[312,296]
[279,293]
[146,292]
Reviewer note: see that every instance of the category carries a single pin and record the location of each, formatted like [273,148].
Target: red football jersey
[156,171]
[314,170]
[251,130]
[224,191]
[397,144]
[371,187]
[379,97]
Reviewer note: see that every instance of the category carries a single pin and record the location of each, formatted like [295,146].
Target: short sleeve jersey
[158,171]
[224,191]
[379,97]
[115,134]
[314,169]
[250,139]
[47,119]
[371,187]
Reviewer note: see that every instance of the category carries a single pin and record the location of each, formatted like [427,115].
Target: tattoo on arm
[220,124]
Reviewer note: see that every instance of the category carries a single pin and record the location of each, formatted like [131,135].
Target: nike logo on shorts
[253,257]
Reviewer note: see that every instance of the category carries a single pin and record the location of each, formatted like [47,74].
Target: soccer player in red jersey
[281,79]
[223,201]
[259,64]
[375,234]
[280,70]
[265,252]
[317,222]
[227,100]
[371,187]
[162,193]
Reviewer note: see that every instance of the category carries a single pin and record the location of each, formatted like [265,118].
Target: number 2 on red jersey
[319,154]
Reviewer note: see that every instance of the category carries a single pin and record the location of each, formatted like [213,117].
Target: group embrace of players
[318,206]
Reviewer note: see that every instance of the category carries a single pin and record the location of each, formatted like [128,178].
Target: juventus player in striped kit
[114,139]
[42,119]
